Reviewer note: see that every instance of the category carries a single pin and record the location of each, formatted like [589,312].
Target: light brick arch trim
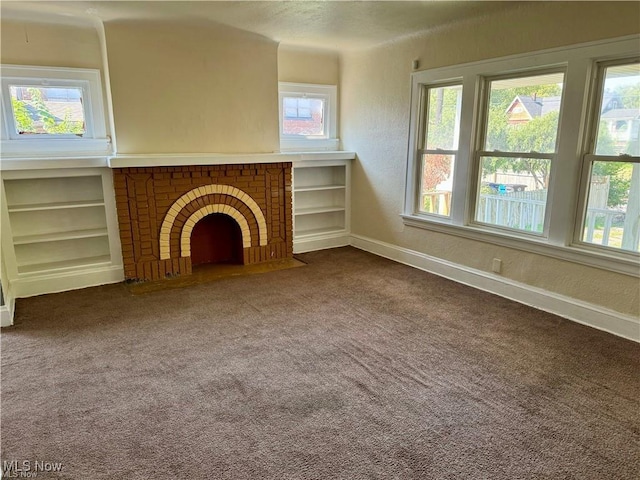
[190,196]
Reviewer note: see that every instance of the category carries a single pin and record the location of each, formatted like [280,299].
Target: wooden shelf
[55,206]
[64,265]
[59,236]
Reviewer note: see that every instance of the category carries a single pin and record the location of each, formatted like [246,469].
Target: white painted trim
[57,147]
[8,309]
[64,281]
[320,242]
[623,262]
[8,162]
[617,323]
[35,163]
[95,139]
[329,93]
[177,159]
[6,316]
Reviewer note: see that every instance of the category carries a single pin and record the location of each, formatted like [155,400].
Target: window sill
[308,145]
[627,264]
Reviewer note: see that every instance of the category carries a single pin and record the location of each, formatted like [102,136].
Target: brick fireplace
[159,207]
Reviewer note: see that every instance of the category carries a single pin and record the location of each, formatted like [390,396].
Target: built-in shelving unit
[58,224]
[320,204]
[66,228]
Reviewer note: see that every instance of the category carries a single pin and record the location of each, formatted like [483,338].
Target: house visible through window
[52,111]
[47,110]
[520,133]
[612,216]
[308,116]
[538,152]
[303,116]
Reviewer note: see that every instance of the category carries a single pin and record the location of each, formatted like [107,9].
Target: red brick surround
[158,207]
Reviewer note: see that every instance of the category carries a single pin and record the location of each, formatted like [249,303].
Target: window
[308,117]
[47,110]
[612,214]
[538,152]
[439,146]
[518,145]
[52,111]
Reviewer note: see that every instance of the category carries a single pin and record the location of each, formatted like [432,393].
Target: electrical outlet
[496,266]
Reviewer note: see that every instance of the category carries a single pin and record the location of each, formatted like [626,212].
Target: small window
[612,214]
[52,111]
[308,117]
[518,147]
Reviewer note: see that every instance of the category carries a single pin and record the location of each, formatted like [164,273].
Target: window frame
[93,142]
[565,196]
[481,139]
[589,155]
[328,93]
[422,138]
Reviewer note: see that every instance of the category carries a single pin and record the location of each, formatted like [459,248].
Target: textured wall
[375,107]
[192,88]
[305,65]
[25,43]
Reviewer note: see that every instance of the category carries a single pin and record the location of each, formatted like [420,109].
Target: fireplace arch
[187,210]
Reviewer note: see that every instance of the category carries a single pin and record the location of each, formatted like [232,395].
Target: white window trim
[579,62]
[589,154]
[95,140]
[298,143]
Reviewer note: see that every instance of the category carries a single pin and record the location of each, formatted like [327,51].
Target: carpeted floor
[352,367]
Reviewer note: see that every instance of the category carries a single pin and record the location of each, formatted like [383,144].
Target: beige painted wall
[375,104]
[26,43]
[303,65]
[192,88]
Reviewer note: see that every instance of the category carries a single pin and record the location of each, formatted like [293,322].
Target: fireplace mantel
[174,160]
[163,160]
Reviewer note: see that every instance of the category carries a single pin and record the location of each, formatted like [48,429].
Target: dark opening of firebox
[216,238]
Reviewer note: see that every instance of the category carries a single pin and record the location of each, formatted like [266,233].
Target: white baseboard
[620,324]
[6,312]
[320,242]
[63,281]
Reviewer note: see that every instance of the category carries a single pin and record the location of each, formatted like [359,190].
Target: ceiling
[333,25]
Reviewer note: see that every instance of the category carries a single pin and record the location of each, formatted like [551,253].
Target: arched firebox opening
[216,238]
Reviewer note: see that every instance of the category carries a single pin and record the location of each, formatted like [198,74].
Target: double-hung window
[517,147]
[538,152]
[611,217]
[438,140]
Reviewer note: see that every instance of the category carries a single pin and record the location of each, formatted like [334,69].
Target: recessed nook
[216,238]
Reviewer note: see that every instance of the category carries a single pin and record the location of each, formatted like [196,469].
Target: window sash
[12,127]
[481,132]
[423,151]
[590,157]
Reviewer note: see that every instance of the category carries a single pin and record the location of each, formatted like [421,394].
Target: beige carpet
[352,367]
